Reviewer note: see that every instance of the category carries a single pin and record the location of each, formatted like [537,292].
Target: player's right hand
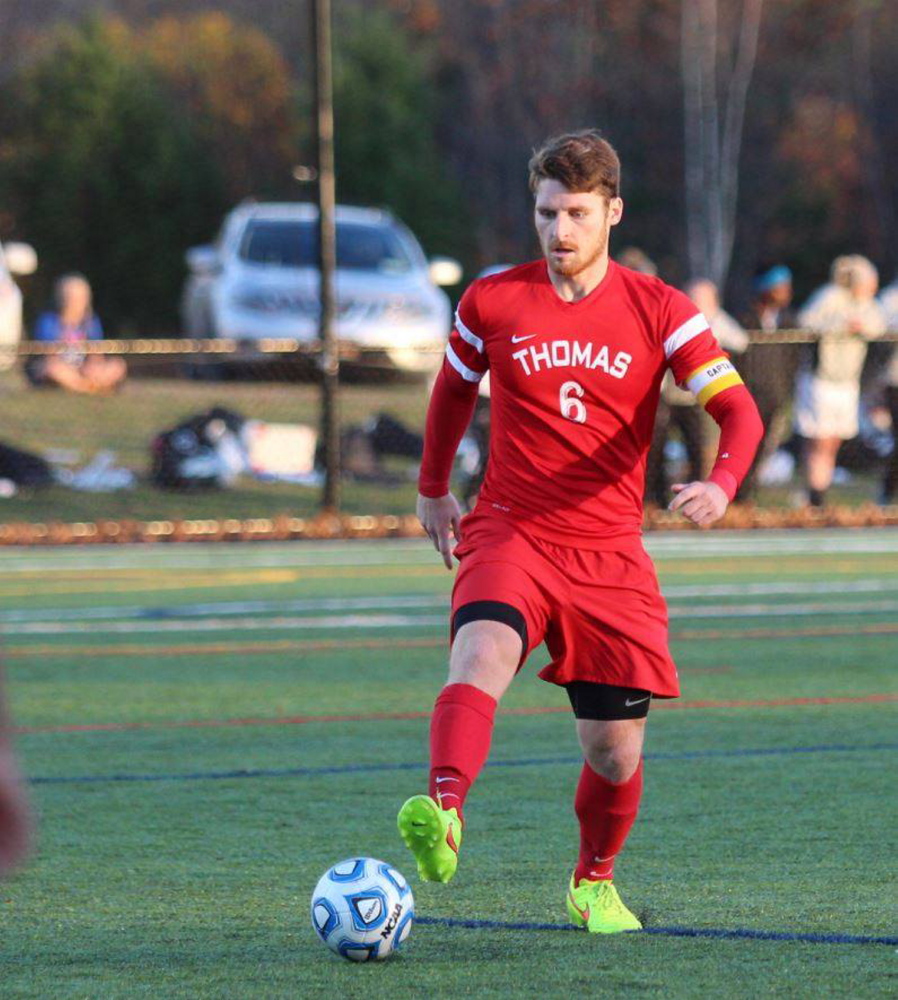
[438,515]
[703,503]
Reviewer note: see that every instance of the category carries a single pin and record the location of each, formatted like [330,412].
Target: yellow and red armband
[711,378]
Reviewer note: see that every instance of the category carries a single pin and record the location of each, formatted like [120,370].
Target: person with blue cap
[772,288]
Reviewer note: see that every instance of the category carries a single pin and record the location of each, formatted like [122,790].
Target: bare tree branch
[746,55]
[712,157]
[874,161]
[691,69]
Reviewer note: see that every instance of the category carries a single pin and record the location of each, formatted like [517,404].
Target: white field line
[231,625]
[198,556]
[310,604]
[879,585]
[697,545]
[343,622]
[390,552]
[673,593]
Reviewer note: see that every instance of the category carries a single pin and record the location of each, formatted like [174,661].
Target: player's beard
[576,264]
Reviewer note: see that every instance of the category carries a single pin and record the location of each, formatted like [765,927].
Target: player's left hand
[703,503]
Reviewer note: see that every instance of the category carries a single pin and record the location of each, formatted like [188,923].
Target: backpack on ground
[203,452]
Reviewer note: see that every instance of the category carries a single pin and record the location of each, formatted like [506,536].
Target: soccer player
[576,347]
[15,824]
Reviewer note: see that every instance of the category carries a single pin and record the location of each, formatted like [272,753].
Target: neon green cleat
[433,835]
[597,907]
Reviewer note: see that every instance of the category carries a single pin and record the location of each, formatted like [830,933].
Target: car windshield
[295,244]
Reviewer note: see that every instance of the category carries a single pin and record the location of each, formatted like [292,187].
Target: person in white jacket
[889,302]
[845,315]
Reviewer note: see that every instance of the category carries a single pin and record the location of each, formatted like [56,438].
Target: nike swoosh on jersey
[517,340]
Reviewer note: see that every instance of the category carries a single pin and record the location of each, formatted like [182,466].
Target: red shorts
[601,614]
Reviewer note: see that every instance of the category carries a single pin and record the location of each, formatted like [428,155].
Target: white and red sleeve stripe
[453,398]
[465,351]
[694,355]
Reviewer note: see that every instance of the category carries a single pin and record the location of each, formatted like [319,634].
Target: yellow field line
[47,650]
[213,580]
[746,565]
[120,580]
[187,582]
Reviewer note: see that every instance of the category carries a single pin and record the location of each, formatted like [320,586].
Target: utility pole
[327,249]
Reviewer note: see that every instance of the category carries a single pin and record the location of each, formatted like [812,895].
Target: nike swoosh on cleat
[636,701]
[441,780]
[517,340]
[583,913]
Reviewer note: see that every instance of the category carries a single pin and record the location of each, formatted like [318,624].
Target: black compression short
[492,611]
[606,702]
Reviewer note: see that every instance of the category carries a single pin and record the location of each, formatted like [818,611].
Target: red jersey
[574,388]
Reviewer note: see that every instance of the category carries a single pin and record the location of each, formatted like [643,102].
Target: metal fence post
[330,355]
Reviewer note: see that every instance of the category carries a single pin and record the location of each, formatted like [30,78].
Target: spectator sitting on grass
[72,323]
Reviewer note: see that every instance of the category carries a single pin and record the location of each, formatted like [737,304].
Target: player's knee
[613,750]
[613,764]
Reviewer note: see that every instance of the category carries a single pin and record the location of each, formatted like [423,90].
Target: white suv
[15,258]
[260,280]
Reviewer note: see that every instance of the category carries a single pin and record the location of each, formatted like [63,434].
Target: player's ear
[615,211]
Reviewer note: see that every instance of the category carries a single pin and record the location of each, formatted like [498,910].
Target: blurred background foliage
[127,132]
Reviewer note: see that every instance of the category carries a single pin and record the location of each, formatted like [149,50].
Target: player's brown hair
[581,161]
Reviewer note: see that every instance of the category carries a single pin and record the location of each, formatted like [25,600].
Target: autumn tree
[104,174]
[234,84]
[717,67]
[386,118]
[123,147]
[498,76]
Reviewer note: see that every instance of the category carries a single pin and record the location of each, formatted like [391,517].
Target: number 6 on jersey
[570,397]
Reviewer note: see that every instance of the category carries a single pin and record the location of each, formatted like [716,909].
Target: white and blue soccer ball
[362,909]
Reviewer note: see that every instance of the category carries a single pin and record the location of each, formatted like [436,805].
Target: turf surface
[72,429]
[208,728]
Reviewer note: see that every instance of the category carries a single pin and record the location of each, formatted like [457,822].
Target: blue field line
[306,772]
[740,933]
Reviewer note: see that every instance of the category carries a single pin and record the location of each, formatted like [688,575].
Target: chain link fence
[214,439]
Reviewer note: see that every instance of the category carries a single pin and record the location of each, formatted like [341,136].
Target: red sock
[606,812]
[460,731]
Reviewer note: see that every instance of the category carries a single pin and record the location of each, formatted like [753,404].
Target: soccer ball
[362,909]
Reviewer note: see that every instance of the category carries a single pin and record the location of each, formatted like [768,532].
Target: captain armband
[711,378]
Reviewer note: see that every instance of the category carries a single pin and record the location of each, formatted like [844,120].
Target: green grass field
[208,728]
[46,421]
[49,421]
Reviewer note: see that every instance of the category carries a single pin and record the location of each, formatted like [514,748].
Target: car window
[295,244]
